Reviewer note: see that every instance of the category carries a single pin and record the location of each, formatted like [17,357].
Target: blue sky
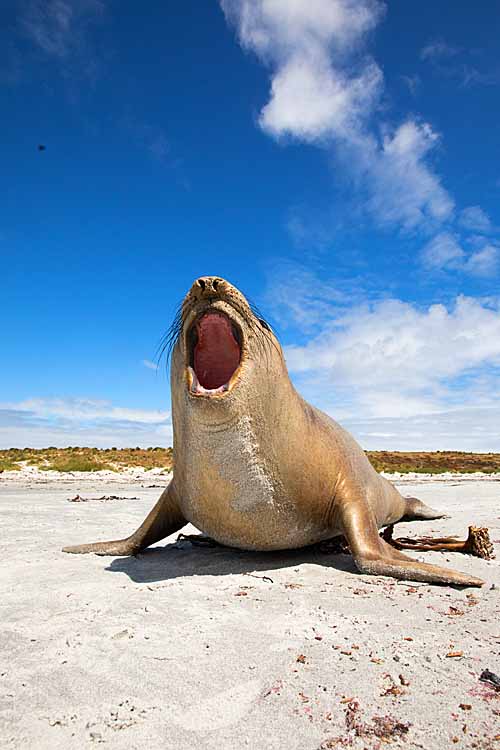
[338,161]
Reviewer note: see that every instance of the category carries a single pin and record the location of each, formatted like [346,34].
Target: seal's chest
[233,457]
[239,461]
[233,494]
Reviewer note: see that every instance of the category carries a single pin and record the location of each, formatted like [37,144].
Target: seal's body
[257,467]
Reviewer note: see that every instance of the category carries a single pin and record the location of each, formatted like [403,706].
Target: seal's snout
[209,286]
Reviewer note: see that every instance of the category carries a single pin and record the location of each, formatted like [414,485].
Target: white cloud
[276,29]
[386,368]
[79,408]
[309,100]
[475,219]
[39,422]
[150,365]
[393,343]
[325,88]
[311,95]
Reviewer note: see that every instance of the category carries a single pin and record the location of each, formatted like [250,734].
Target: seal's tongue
[217,353]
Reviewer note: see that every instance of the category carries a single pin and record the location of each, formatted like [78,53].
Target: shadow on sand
[165,563]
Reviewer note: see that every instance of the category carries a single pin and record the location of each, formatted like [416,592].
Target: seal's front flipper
[117,548]
[164,519]
[416,510]
[373,555]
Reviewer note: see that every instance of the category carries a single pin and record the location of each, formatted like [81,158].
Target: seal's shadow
[169,562]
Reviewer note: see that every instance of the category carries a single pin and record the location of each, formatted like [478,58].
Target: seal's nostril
[201,283]
[215,284]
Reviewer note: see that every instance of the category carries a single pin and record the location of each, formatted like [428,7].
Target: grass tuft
[75,464]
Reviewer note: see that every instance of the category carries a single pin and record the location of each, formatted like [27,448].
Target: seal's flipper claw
[416,510]
[165,519]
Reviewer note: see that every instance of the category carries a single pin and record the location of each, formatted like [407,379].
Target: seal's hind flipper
[373,555]
[164,519]
[407,569]
[416,510]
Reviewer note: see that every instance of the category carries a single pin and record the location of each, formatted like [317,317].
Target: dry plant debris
[477,543]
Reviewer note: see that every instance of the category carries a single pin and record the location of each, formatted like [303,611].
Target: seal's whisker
[170,337]
[262,331]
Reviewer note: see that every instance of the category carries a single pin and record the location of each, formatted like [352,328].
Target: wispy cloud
[60,32]
[150,137]
[11,64]
[444,252]
[154,142]
[475,219]
[58,27]
[296,295]
[311,230]
[484,262]
[455,62]
[150,365]
[404,191]
[39,422]
[438,49]
[412,83]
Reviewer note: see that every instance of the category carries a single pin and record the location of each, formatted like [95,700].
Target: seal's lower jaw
[214,349]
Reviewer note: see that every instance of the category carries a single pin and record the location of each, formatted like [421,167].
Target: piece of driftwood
[477,543]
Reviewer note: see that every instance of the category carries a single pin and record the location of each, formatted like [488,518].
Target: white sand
[197,648]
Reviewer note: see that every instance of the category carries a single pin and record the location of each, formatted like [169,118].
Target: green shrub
[6,465]
[78,463]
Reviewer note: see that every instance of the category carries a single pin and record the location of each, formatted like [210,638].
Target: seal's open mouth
[214,350]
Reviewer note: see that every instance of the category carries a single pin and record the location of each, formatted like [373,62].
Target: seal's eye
[264,324]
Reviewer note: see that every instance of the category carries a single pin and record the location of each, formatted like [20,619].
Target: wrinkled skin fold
[255,466]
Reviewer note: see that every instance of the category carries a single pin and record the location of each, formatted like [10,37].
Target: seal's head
[219,339]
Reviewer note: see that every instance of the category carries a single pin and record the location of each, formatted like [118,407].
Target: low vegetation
[114,459]
[85,459]
[435,463]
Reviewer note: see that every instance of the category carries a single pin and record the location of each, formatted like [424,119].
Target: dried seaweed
[478,542]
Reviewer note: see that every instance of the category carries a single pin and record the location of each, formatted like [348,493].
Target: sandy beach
[193,647]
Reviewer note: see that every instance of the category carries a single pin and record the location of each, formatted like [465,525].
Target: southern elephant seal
[257,467]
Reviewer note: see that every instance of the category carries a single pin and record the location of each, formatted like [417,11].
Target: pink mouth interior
[217,353]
